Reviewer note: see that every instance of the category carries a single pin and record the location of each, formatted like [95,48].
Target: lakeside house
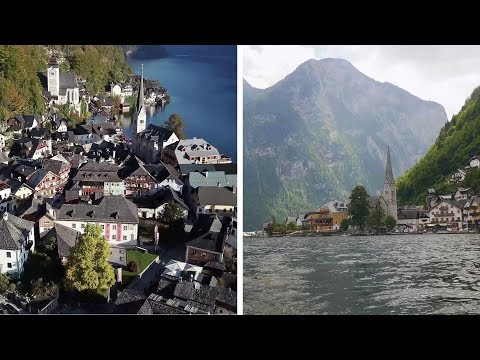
[193,151]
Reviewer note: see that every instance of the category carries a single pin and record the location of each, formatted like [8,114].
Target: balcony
[444,214]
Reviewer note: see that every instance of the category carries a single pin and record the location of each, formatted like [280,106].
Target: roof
[227,168]
[68,80]
[160,198]
[388,171]
[3,157]
[158,172]
[458,204]
[110,209]
[211,178]
[231,240]
[335,205]
[39,133]
[37,177]
[131,302]
[155,133]
[55,166]
[66,238]
[98,172]
[186,150]
[411,214]
[216,196]
[13,231]
[30,206]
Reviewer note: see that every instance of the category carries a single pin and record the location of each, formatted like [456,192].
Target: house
[6,201]
[447,213]
[127,90]
[458,176]
[146,179]
[211,178]
[230,248]
[44,183]
[60,125]
[106,103]
[19,191]
[207,241]
[83,134]
[31,148]
[210,200]
[320,220]
[66,239]
[463,194]
[475,162]
[24,122]
[4,159]
[115,89]
[46,222]
[16,240]
[192,151]
[227,168]
[101,178]
[108,151]
[2,142]
[60,88]
[149,143]
[117,216]
[58,166]
[471,212]
[413,218]
[150,207]
[338,212]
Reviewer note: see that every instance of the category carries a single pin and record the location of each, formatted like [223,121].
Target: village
[166,206]
[456,212]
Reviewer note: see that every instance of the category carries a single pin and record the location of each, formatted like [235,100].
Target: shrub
[132,266]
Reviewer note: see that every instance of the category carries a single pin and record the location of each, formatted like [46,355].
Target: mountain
[144,52]
[457,143]
[324,129]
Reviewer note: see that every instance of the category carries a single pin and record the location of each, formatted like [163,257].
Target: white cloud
[441,73]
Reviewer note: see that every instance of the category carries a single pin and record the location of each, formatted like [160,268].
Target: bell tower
[53,76]
[390,189]
[140,113]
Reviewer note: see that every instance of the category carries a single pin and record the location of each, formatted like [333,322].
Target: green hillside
[457,143]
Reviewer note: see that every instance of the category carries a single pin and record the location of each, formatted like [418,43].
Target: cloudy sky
[441,73]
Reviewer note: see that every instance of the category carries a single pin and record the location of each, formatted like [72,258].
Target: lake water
[411,274]
[202,84]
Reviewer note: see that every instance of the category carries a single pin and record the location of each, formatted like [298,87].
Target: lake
[402,274]
[202,84]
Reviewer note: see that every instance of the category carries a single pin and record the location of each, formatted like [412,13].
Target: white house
[193,151]
[6,201]
[116,215]
[475,162]
[447,213]
[149,143]
[150,207]
[412,219]
[462,194]
[458,176]
[16,240]
[116,90]
[211,200]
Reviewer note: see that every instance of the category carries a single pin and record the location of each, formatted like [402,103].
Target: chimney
[234,189]
[119,275]
[206,173]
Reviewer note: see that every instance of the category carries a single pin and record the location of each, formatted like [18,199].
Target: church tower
[390,189]
[53,76]
[140,113]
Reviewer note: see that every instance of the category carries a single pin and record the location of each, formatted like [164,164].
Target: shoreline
[356,235]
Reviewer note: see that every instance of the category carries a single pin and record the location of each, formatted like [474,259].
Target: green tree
[358,208]
[88,267]
[5,285]
[172,215]
[291,226]
[390,222]
[376,217]
[344,225]
[43,289]
[175,124]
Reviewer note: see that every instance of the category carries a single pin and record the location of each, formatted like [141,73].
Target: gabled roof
[160,198]
[157,172]
[38,177]
[216,196]
[110,209]
[66,238]
[211,178]
[13,231]
[155,133]
[55,166]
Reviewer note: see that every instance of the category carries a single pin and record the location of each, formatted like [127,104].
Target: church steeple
[388,171]
[140,113]
[140,100]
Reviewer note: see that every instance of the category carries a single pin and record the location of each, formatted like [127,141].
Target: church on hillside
[388,198]
[60,88]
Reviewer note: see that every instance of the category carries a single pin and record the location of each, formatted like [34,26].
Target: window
[194,252]
[124,237]
[204,254]
[82,226]
[124,227]
[102,226]
[9,265]
[114,227]
[74,226]
[9,254]
[114,237]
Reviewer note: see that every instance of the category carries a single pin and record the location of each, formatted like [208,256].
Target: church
[140,115]
[60,88]
[388,198]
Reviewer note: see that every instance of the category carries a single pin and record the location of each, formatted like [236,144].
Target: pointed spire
[389,172]
[140,93]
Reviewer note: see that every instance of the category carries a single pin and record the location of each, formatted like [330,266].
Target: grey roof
[30,206]
[216,196]
[211,178]
[232,240]
[158,172]
[131,302]
[68,80]
[226,297]
[155,133]
[13,231]
[24,170]
[188,149]
[39,133]
[159,198]
[161,308]
[37,177]
[55,166]
[206,229]
[388,171]
[411,214]
[98,172]
[110,209]
[12,182]
[66,238]
[189,290]
[3,157]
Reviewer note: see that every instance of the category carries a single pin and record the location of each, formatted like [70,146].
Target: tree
[376,218]
[172,215]
[344,225]
[291,226]
[358,208]
[390,222]
[175,124]
[88,267]
[43,289]
[5,285]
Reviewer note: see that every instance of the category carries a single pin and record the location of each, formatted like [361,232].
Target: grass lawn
[142,259]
